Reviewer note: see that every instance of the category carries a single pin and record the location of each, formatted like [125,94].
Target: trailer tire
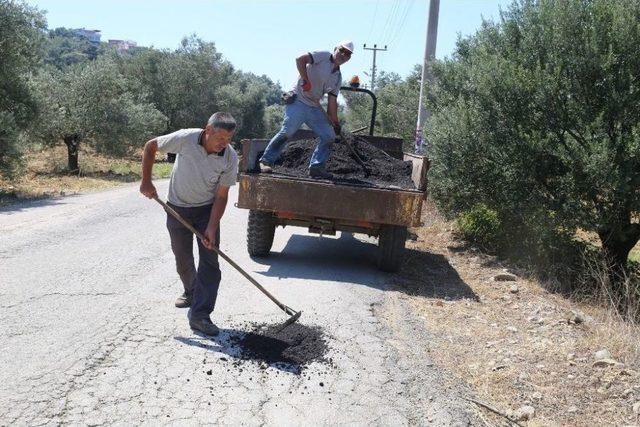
[391,247]
[260,231]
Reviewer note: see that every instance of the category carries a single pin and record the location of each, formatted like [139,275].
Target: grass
[45,174]
[517,348]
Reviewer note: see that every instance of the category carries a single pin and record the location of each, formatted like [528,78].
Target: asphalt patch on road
[297,345]
[292,349]
[379,169]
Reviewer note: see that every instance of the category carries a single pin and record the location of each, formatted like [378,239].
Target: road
[90,335]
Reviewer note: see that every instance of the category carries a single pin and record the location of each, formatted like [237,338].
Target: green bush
[480,225]
[272,120]
[535,242]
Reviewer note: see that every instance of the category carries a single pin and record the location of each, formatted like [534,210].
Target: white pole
[429,55]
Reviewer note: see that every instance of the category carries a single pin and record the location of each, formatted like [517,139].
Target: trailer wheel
[260,231]
[391,247]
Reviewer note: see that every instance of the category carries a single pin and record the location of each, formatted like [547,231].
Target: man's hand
[306,85]
[210,237]
[148,189]
[337,128]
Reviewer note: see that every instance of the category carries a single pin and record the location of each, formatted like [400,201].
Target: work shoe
[204,326]
[184,300]
[318,172]
[265,167]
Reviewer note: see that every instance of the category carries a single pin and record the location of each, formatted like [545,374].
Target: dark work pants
[203,284]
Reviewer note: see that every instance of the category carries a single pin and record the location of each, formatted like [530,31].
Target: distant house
[92,35]
[122,45]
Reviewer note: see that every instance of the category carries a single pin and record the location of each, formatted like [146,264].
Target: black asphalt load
[379,170]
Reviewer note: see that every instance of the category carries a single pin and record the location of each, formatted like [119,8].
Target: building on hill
[92,35]
[122,45]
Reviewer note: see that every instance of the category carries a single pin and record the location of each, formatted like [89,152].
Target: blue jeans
[294,116]
[203,284]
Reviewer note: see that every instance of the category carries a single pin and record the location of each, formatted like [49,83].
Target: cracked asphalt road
[90,335]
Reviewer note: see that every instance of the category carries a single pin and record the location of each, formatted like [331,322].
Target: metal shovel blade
[290,320]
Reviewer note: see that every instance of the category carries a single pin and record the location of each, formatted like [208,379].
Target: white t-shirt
[322,78]
[196,175]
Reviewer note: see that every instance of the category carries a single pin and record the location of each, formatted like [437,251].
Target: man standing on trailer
[319,75]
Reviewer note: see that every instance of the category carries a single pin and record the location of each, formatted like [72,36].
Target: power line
[375,14]
[395,21]
[390,18]
[400,29]
[361,58]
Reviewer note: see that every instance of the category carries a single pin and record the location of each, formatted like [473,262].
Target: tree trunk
[617,241]
[73,142]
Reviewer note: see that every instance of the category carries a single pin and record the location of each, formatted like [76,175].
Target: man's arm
[301,65]
[219,205]
[148,157]
[332,110]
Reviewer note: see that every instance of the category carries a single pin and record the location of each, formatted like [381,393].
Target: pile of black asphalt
[296,345]
[378,169]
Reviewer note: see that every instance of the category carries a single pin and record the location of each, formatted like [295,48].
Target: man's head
[219,131]
[343,51]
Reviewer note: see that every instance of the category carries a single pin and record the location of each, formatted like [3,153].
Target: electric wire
[373,21]
[390,18]
[400,29]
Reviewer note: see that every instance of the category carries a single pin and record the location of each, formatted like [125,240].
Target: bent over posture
[206,166]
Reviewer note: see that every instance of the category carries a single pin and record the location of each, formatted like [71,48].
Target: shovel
[359,129]
[295,315]
[358,159]
[353,151]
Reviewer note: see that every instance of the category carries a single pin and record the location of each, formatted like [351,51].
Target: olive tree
[93,103]
[21,38]
[63,47]
[190,83]
[537,116]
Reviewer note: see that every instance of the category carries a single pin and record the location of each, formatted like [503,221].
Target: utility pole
[429,55]
[375,50]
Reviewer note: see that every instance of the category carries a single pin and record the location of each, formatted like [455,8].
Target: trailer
[325,207]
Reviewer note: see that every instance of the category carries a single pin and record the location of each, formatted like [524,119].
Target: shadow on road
[111,175]
[432,276]
[347,259]
[225,343]
[344,259]
[11,204]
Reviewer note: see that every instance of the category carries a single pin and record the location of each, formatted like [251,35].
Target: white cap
[347,44]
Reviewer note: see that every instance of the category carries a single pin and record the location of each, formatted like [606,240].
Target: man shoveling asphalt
[319,75]
[206,166]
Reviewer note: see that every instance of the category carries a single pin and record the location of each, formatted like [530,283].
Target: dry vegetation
[515,343]
[45,174]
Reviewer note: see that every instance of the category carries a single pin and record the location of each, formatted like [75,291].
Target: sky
[265,36]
